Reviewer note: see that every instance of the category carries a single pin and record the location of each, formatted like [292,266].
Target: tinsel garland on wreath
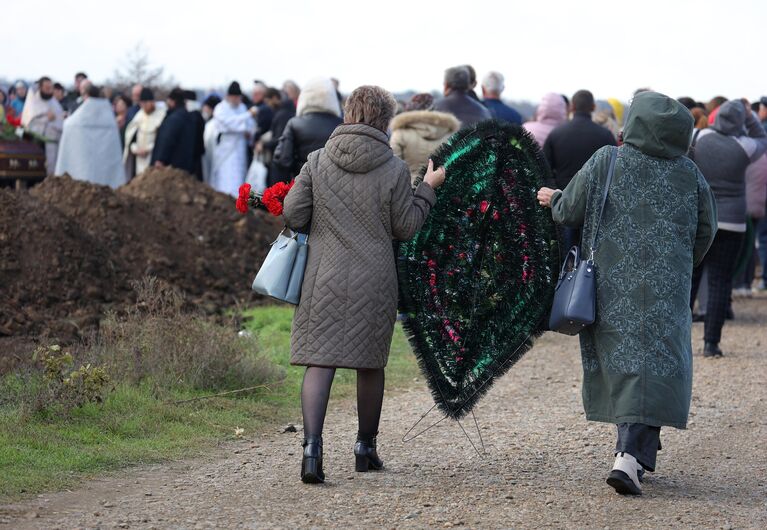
[478,280]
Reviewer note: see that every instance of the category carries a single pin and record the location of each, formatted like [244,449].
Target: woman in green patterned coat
[659,221]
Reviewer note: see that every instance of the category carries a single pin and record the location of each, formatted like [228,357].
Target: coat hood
[552,108]
[358,148]
[730,118]
[430,125]
[658,125]
[318,95]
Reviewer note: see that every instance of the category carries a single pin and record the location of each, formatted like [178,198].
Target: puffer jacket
[417,134]
[723,152]
[756,188]
[357,196]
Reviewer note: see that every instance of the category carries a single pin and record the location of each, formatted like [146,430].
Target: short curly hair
[371,105]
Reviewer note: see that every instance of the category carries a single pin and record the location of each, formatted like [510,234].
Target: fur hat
[177,95]
[234,89]
[146,94]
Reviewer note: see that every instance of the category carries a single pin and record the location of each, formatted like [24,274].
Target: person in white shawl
[90,144]
[140,134]
[234,125]
[209,137]
[44,116]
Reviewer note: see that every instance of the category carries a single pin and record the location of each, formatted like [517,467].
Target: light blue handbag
[282,273]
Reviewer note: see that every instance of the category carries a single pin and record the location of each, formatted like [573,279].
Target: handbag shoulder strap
[691,151]
[608,181]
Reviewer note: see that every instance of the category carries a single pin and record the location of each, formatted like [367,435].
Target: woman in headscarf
[356,197]
[417,132]
[551,112]
[659,220]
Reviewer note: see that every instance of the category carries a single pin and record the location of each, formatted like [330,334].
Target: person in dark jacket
[457,100]
[175,145]
[317,115]
[571,145]
[282,112]
[262,112]
[492,87]
[723,152]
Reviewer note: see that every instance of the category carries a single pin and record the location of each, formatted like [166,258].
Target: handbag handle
[574,253]
[613,158]
[293,235]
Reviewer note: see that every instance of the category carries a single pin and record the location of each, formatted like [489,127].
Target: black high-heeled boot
[365,454]
[311,465]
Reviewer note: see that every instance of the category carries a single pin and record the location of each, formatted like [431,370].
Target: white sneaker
[624,476]
[742,292]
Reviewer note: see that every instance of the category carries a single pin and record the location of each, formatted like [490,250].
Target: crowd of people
[685,219]
[107,137]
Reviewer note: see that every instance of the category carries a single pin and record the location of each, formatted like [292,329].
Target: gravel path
[545,465]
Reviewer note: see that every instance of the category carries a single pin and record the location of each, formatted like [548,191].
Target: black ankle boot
[366,457]
[711,349]
[311,465]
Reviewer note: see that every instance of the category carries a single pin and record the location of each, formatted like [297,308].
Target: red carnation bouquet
[272,199]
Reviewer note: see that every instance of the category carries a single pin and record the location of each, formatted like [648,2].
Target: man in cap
[235,126]
[175,141]
[141,133]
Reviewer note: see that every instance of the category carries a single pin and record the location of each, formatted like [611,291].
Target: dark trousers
[720,263]
[761,236]
[640,441]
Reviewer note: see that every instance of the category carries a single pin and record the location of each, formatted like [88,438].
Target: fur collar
[437,119]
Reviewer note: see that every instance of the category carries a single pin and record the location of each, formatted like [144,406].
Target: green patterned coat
[659,220]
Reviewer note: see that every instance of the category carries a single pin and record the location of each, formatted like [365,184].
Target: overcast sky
[681,47]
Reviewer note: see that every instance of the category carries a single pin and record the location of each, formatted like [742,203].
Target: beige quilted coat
[415,135]
[357,196]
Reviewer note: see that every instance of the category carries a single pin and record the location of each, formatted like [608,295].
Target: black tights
[315,393]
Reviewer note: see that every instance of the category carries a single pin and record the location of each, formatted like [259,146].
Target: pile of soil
[71,250]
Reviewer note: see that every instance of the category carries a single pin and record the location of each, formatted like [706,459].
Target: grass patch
[136,424]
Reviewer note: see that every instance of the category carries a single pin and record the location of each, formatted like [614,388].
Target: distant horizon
[610,49]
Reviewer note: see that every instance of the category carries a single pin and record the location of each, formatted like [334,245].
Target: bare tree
[137,68]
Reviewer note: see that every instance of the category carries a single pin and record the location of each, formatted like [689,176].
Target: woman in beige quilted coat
[416,133]
[356,197]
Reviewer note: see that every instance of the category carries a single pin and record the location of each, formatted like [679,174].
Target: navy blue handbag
[575,297]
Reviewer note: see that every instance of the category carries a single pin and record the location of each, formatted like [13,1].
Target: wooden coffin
[22,161]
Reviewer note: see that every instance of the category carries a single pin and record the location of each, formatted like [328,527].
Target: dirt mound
[70,250]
